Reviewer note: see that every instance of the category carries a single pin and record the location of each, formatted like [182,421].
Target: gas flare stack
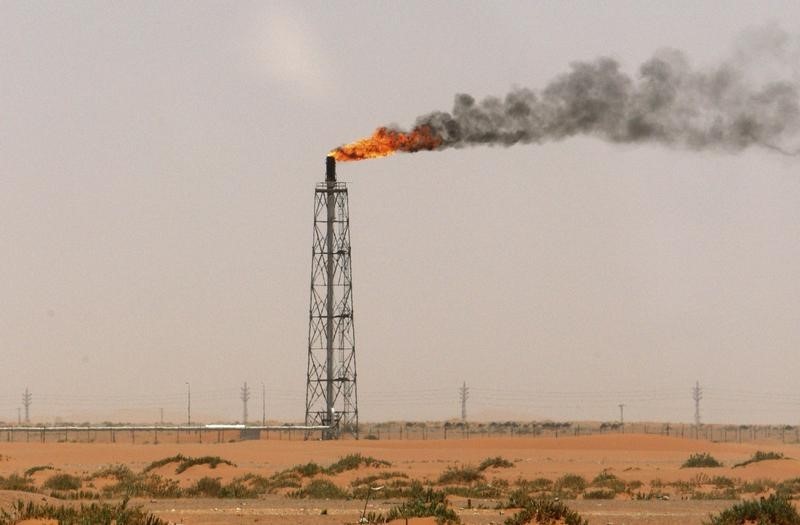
[331,393]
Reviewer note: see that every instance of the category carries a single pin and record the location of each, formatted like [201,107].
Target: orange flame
[386,142]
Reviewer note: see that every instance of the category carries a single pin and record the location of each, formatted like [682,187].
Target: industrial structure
[331,392]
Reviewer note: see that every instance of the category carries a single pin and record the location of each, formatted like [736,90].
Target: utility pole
[245,397]
[622,416]
[263,405]
[697,395]
[19,416]
[188,404]
[27,397]
[463,394]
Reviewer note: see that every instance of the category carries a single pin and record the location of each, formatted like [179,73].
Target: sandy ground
[630,457]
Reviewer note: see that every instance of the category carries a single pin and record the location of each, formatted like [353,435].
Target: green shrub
[602,493]
[144,486]
[33,470]
[495,462]
[423,503]
[16,482]
[722,482]
[238,489]
[369,480]
[117,472]
[701,460]
[95,514]
[479,490]
[545,511]
[63,482]
[165,461]
[569,486]
[536,484]
[607,480]
[462,474]
[206,486]
[353,462]
[185,462]
[308,470]
[726,493]
[788,488]
[211,461]
[773,510]
[758,486]
[760,456]
[320,489]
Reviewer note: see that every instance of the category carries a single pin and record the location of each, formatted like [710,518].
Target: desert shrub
[545,511]
[117,472]
[75,494]
[788,488]
[320,489]
[256,484]
[569,486]
[657,483]
[307,470]
[373,517]
[760,456]
[355,461]
[95,514]
[206,486]
[535,484]
[758,486]
[423,503]
[634,485]
[701,460]
[238,489]
[607,480]
[461,474]
[38,468]
[164,461]
[726,493]
[495,462]
[284,479]
[395,485]
[62,482]
[479,490]
[773,510]
[684,487]
[16,482]
[144,486]
[211,461]
[185,462]
[601,493]
[369,480]
[722,482]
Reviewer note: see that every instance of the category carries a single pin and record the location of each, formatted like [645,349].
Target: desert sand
[629,457]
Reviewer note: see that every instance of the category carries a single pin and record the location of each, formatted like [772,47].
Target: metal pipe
[167,428]
[330,179]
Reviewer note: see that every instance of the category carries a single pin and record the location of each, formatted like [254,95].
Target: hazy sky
[157,168]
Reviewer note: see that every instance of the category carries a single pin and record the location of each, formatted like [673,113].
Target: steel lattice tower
[331,393]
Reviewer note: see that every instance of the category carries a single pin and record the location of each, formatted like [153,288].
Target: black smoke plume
[667,102]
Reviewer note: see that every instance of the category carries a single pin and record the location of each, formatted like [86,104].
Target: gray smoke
[667,102]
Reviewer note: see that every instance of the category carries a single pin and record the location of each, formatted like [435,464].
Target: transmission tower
[245,397]
[463,394]
[331,393]
[697,395]
[27,397]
